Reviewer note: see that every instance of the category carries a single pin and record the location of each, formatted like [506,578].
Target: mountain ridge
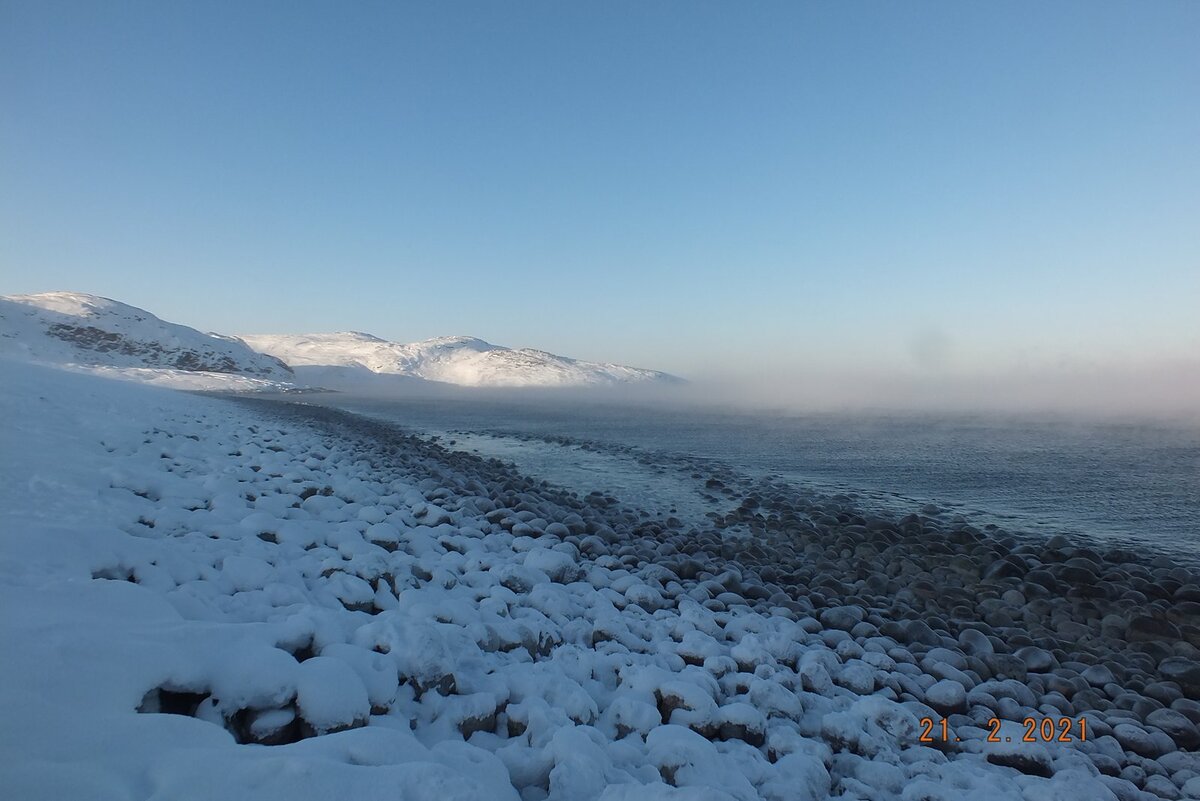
[462,360]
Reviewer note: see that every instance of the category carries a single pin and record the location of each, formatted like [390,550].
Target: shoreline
[1105,632]
[273,594]
[1030,506]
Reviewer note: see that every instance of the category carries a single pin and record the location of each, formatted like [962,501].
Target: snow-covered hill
[72,328]
[465,361]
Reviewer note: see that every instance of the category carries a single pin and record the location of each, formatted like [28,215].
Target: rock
[1134,774]
[1006,665]
[814,677]
[1162,787]
[1184,672]
[857,676]
[272,726]
[1010,751]
[940,670]
[975,642]
[1177,762]
[918,631]
[1144,628]
[1163,692]
[1178,727]
[842,617]
[947,697]
[1003,569]
[1044,579]
[685,704]
[1077,574]
[1136,739]
[1122,789]
[1098,676]
[1036,660]
[330,696]
[1188,708]
[1105,764]
[1187,592]
[946,656]
[872,724]
[385,535]
[475,713]
[517,578]
[559,566]
[1032,762]
[646,596]
[741,721]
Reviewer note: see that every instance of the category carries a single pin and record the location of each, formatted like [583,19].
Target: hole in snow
[171,702]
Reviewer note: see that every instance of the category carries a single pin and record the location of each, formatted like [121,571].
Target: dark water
[1134,482]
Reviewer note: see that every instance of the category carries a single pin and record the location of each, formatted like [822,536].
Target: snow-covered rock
[461,360]
[330,695]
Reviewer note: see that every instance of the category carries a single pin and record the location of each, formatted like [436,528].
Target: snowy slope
[465,361]
[96,607]
[74,328]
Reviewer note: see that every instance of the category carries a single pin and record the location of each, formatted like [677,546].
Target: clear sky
[698,187]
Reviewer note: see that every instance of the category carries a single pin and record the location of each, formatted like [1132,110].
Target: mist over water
[1129,478]
[1165,391]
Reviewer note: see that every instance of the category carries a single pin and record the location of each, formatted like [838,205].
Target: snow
[201,598]
[330,696]
[461,360]
[193,380]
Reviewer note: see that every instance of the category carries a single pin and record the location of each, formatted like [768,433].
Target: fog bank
[1169,389]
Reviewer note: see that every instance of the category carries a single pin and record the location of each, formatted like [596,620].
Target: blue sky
[700,187]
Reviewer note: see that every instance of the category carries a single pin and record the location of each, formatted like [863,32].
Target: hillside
[79,329]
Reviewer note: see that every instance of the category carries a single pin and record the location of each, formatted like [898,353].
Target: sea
[1129,483]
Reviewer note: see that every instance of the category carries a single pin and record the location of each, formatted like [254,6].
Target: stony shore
[953,622]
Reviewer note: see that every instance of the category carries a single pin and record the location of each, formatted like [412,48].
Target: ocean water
[1129,482]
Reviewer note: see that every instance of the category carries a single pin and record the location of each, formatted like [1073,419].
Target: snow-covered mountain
[465,361]
[105,336]
[75,328]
